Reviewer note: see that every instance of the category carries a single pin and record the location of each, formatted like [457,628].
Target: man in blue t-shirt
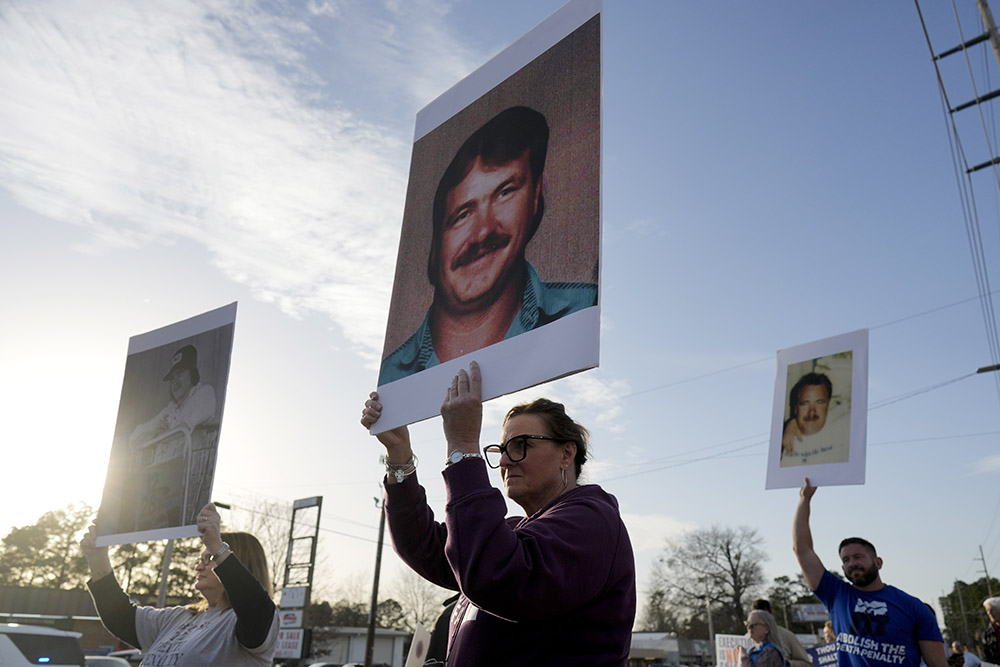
[876,625]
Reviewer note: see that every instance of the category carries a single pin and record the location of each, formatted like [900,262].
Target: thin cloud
[988,464]
[215,122]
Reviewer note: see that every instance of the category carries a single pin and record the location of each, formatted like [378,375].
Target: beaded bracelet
[400,470]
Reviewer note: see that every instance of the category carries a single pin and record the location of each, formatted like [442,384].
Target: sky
[774,173]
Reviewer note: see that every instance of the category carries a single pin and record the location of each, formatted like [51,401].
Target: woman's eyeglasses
[516,449]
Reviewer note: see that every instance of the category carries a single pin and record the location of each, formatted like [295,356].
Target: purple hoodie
[556,588]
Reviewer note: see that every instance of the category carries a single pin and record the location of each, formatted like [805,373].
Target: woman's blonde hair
[248,550]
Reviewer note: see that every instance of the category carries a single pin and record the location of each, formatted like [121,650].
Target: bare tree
[269,521]
[420,599]
[720,566]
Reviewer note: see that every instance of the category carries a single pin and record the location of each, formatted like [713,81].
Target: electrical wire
[967,190]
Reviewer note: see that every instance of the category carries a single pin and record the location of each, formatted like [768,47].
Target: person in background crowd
[763,630]
[990,636]
[790,645]
[969,658]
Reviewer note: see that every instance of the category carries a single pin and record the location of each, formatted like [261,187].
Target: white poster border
[559,25]
[823,474]
[542,363]
[193,326]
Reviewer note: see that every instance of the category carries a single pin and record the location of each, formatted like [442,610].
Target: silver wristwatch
[457,456]
[222,550]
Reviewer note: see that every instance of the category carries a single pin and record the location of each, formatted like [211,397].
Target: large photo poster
[819,420]
[166,438]
[499,255]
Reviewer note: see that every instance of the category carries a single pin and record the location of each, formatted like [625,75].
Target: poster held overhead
[819,420]
[500,244]
[162,463]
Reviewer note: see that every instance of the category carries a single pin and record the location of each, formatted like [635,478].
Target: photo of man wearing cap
[191,403]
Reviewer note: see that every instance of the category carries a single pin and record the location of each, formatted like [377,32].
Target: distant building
[666,648]
[343,645]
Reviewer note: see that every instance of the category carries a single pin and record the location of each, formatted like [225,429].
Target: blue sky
[774,173]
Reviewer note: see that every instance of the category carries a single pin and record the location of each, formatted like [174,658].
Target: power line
[288,520]
[727,453]
[917,392]
[965,184]
[771,357]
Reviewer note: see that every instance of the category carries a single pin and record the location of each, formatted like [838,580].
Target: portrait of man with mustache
[488,205]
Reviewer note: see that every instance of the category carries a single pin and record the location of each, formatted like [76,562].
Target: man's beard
[864,577]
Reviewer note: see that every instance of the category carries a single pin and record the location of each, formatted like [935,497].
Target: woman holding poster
[235,624]
[554,588]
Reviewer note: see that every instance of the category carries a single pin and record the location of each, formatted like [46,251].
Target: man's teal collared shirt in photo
[541,304]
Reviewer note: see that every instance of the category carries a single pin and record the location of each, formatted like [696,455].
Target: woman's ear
[569,452]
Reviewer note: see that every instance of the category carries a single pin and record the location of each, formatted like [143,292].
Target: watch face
[456,456]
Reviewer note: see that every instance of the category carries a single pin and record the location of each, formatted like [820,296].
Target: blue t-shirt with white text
[876,628]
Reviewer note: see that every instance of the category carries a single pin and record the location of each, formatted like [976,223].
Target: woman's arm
[253,606]
[416,536]
[116,611]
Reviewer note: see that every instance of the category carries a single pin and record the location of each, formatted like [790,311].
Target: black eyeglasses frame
[502,449]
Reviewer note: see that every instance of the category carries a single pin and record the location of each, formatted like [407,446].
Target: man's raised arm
[802,541]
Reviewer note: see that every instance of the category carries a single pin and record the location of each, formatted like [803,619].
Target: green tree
[46,553]
[720,565]
[19,565]
[963,610]
[657,615]
[786,591]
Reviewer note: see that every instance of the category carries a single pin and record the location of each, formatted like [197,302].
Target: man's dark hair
[858,540]
[761,604]
[502,139]
[561,425]
[808,380]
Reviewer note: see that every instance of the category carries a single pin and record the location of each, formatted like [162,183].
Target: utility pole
[168,554]
[370,643]
[989,585]
[961,605]
[991,26]
[711,628]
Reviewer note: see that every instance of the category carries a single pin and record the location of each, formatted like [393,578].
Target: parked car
[28,645]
